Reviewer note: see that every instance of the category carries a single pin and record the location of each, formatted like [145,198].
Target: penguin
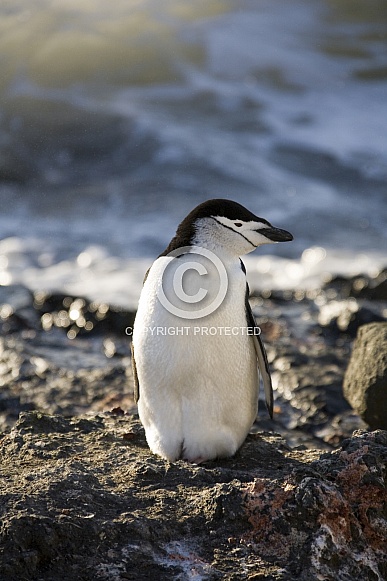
[197,353]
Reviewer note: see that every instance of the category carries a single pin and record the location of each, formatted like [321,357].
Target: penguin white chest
[195,369]
[198,381]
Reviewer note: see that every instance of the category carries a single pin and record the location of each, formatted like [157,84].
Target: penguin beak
[276,234]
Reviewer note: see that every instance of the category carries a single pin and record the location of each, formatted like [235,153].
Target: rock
[365,381]
[79,316]
[20,310]
[62,354]
[47,371]
[84,498]
[347,316]
[68,355]
[309,395]
[372,288]
[16,309]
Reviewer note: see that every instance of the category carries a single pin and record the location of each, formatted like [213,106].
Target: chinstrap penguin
[197,392]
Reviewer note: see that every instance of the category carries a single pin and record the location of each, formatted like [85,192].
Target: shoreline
[83,496]
[71,356]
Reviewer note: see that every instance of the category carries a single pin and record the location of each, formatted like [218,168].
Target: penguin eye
[238,224]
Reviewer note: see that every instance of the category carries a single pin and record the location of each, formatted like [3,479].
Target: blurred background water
[118,117]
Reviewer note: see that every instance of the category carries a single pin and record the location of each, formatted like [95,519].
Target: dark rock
[365,382]
[20,310]
[373,289]
[67,355]
[81,501]
[347,316]
[309,393]
[47,371]
[360,286]
[79,316]
[16,310]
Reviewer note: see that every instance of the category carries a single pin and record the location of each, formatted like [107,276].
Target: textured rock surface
[66,355]
[365,382]
[83,499]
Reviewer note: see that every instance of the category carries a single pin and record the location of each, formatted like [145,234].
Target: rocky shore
[83,498]
[67,355]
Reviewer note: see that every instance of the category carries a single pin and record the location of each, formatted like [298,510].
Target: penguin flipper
[263,365]
[260,351]
[135,377]
[134,368]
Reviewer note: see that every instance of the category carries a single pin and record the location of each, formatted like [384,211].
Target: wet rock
[375,290]
[78,316]
[47,371]
[365,383]
[347,316]
[307,376]
[20,310]
[16,309]
[61,354]
[360,286]
[82,500]
[68,355]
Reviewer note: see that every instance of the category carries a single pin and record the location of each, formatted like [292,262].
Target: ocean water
[118,118]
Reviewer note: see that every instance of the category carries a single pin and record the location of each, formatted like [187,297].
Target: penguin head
[226,225]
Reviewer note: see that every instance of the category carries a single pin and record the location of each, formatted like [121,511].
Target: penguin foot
[198,460]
